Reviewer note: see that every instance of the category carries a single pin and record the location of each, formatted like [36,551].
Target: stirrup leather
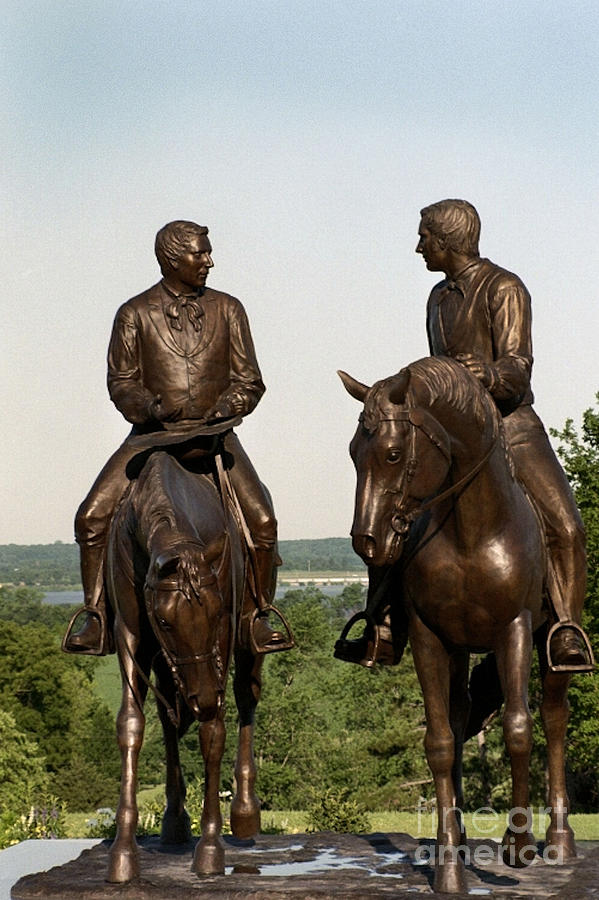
[582,667]
[288,644]
[92,611]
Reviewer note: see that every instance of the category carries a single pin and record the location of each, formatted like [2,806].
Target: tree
[51,698]
[580,456]
[23,774]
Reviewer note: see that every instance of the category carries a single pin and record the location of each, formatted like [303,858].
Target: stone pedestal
[306,867]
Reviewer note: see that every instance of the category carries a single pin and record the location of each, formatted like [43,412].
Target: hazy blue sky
[307,136]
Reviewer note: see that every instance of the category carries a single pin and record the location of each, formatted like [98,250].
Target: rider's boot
[256,633]
[568,648]
[376,645]
[92,638]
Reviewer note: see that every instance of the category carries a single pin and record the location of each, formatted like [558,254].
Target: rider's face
[432,250]
[192,267]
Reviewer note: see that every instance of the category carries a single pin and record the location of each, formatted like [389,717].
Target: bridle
[420,420]
[174,661]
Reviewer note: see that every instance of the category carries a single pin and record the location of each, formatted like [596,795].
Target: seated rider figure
[179,352]
[480,315]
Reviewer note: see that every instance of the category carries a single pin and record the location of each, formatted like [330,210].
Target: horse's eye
[393,456]
[162,622]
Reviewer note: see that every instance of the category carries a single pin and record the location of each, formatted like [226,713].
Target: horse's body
[433,467]
[175,574]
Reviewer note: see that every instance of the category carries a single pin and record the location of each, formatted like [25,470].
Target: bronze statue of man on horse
[178,543]
[480,315]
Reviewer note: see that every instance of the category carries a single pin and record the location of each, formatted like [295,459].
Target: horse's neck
[167,504]
[480,507]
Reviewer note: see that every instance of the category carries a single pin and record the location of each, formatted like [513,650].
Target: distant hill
[56,565]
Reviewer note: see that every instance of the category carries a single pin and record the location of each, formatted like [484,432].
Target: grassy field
[586,826]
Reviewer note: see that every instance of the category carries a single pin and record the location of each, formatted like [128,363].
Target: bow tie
[188,303]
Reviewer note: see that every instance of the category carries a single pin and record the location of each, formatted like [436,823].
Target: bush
[337,812]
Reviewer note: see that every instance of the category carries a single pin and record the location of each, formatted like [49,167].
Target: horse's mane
[449,382]
[445,381]
[153,505]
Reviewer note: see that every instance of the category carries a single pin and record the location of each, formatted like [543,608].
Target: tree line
[56,566]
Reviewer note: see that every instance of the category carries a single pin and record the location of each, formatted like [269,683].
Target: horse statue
[437,495]
[176,575]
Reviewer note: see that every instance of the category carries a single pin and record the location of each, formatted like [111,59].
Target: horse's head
[402,456]
[188,614]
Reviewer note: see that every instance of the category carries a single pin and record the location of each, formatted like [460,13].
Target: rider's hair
[173,240]
[455,223]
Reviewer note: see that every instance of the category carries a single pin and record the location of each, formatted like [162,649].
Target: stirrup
[288,644]
[370,636]
[104,643]
[581,667]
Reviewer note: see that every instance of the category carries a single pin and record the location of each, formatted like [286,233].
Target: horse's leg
[560,844]
[459,712]
[176,825]
[123,864]
[433,668]
[514,657]
[209,856]
[245,808]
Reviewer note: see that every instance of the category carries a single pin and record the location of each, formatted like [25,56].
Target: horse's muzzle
[365,546]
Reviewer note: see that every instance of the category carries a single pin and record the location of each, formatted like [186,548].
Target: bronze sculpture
[180,352]
[437,492]
[176,571]
[178,534]
[480,315]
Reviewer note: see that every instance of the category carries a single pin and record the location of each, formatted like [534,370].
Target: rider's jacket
[485,312]
[148,357]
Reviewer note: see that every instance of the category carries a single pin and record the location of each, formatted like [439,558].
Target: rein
[400,523]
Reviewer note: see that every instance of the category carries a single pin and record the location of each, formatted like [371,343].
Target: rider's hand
[220,410]
[478,368]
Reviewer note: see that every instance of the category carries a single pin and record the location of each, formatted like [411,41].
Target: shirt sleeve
[246,386]
[510,313]
[125,383]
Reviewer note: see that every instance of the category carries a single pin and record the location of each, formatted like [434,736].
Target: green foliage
[323,724]
[23,774]
[579,453]
[52,701]
[24,606]
[102,824]
[321,555]
[49,565]
[337,811]
[45,819]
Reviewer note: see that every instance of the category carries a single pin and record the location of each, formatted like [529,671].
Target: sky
[307,136]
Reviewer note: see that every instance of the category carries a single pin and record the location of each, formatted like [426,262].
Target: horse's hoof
[123,865]
[245,817]
[176,829]
[450,878]
[519,849]
[559,845]
[209,859]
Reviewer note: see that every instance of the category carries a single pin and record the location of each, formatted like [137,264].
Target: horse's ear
[397,394]
[355,388]
[166,564]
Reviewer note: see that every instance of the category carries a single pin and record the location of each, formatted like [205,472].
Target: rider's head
[455,223]
[174,240]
